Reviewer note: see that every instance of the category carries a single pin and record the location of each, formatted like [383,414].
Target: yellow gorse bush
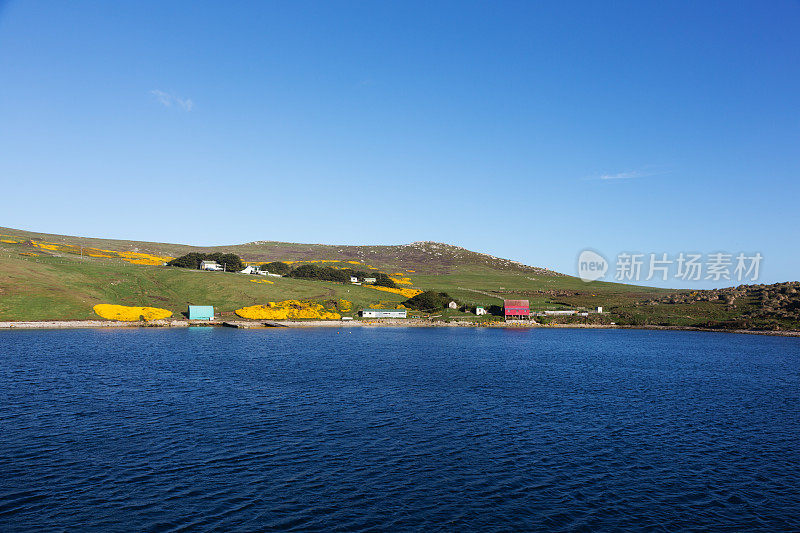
[286,310]
[140,258]
[129,313]
[312,261]
[47,246]
[408,293]
[136,258]
[262,281]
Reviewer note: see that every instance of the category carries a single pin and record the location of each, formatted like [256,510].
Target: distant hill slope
[424,257]
[58,277]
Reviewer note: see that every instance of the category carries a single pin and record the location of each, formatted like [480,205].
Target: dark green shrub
[429,301]
[276,267]
[231,262]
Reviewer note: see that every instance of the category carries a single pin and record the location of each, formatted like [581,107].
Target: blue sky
[639,126]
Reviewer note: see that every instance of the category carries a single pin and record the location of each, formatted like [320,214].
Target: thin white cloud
[169,100]
[629,175]
[623,176]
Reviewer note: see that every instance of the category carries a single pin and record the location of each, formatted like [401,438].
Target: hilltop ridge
[423,256]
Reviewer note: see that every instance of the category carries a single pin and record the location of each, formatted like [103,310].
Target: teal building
[201,312]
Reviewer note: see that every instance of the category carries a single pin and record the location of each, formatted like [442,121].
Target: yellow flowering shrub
[408,293]
[262,281]
[345,305]
[401,280]
[130,313]
[29,254]
[136,258]
[286,310]
[9,241]
[312,261]
[139,258]
[46,246]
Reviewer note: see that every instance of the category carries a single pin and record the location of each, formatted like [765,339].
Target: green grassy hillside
[50,287]
[422,257]
[44,276]
[54,277]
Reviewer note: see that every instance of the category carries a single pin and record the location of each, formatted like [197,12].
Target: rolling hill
[61,277]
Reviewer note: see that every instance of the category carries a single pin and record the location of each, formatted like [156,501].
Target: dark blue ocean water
[398,429]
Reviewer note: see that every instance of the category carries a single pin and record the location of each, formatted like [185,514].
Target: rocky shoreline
[259,324]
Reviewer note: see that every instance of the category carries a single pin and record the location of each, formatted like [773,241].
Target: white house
[353,279]
[599,309]
[249,269]
[384,313]
[210,265]
[370,280]
[452,305]
[480,311]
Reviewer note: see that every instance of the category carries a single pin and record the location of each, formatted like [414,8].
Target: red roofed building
[517,309]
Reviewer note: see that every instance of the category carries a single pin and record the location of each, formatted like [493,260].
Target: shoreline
[263,324]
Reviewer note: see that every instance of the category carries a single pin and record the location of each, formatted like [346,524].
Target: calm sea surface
[398,429]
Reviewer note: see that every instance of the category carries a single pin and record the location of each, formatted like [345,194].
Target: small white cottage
[210,265]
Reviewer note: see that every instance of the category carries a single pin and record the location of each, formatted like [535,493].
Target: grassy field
[63,287]
[62,284]
[42,277]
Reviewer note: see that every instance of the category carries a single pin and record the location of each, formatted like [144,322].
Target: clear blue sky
[638,126]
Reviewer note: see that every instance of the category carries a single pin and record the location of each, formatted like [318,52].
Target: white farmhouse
[210,265]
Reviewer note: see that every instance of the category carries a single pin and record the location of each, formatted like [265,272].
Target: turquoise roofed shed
[201,312]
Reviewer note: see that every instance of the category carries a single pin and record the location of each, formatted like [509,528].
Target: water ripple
[398,430]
